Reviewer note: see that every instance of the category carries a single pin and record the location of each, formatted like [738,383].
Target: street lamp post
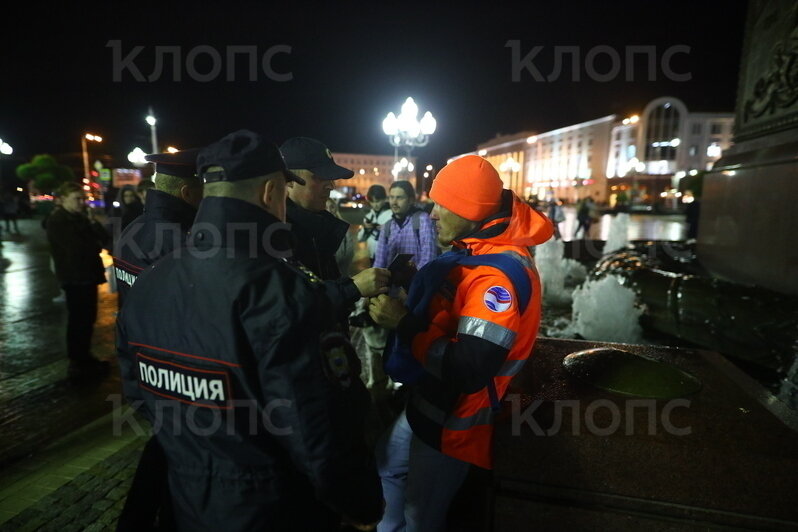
[5,149]
[152,121]
[406,131]
[85,150]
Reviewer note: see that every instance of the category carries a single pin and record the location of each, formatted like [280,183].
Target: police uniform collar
[169,208]
[327,230]
[232,219]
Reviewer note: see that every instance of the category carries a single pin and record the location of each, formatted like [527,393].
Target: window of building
[693,150]
[717,129]
[662,128]
[696,129]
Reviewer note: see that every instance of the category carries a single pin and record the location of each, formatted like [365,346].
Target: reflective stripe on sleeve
[483,416]
[428,409]
[525,261]
[486,330]
[511,367]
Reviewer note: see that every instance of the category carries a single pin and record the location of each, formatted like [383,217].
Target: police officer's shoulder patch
[497,299]
[336,352]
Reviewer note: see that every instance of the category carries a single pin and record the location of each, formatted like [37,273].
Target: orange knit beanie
[469,187]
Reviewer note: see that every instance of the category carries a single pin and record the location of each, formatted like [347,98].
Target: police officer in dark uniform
[318,233]
[168,214]
[259,411]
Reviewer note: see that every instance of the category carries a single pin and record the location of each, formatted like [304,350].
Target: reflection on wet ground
[37,401]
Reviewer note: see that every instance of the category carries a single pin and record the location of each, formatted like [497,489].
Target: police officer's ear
[272,193]
[191,194]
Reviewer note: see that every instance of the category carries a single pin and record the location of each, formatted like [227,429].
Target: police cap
[182,163]
[242,155]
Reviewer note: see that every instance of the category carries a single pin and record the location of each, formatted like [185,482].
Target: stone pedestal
[749,228]
[725,457]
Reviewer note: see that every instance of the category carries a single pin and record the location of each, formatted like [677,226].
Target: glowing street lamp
[151,120]
[5,149]
[407,131]
[137,157]
[172,149]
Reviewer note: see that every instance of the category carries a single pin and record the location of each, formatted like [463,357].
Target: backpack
[415,219]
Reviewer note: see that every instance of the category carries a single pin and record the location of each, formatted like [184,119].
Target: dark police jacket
[261,418]
[161,229]
[316,238]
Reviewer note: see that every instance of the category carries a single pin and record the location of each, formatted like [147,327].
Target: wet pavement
[37,401]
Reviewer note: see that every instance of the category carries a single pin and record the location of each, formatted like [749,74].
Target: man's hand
[387,312]
[372,282]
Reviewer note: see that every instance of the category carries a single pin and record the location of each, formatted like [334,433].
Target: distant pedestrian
[76,240]
[584,216]
[11,211]
[130,206]
[693,214]
[556,215]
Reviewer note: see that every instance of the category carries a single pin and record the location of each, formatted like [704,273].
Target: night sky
[351,64]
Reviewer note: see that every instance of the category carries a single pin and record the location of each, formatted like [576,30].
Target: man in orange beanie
[467,326]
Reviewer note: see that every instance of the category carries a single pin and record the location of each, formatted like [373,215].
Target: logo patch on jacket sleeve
[497,299]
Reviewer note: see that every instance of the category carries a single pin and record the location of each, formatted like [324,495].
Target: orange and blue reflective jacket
[475,334]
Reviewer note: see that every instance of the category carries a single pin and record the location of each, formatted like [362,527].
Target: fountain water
[602,309]
[605,310]
[557,274]
[619,233]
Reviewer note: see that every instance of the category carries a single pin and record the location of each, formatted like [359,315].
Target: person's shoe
[60,298]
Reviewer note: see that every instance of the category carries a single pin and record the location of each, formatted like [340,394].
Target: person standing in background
[76,240]
[409,231]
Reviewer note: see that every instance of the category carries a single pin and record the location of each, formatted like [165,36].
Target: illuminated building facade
[371,170]
[643,154]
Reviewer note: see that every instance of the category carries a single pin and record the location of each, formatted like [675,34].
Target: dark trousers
[11,219]
[81,302]
[583,224]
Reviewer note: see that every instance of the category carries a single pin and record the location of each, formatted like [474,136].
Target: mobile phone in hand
[402,270]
